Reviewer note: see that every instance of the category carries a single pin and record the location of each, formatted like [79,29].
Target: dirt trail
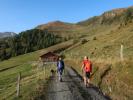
[72,88]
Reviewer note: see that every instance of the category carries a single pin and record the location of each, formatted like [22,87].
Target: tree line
[27,41]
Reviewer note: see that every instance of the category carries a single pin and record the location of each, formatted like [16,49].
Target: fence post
[43,67]
[44,71]
[18,84]
[121,53]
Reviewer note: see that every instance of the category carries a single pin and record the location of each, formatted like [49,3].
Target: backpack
[60,64]
[87,66]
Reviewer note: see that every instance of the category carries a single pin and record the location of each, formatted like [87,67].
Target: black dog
[52,72]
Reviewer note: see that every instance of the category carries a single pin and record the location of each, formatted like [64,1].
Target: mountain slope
[56,25]
[111,74]
[116,16]
[59,28]
[25,42]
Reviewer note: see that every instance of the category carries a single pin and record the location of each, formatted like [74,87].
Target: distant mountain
[56,25]
[7,34]
[62,29]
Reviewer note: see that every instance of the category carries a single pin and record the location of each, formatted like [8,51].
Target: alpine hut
[49,57]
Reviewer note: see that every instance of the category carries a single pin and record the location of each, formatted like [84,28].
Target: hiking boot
[61,80]
[87,85]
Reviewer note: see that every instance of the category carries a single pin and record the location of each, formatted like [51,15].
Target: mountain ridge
[119,16]
[7,34]
[109,17]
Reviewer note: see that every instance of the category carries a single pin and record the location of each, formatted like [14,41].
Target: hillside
[25,42]
[63,29]
[56,25]
[116,16]
[103,48]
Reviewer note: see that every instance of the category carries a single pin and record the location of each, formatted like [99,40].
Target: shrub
[84,41]
[94,38]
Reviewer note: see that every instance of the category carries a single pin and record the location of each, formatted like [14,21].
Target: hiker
[86,69]
[60,68]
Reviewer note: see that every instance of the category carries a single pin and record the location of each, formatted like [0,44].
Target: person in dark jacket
[60,68]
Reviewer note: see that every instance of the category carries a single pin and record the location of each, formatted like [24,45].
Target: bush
[84,41]
[94,38]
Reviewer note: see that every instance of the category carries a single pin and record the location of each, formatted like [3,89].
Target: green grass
[8,79]
[31,76]
[105,51]
[16,61]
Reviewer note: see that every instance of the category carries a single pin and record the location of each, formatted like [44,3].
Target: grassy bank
[113,77]
[103,48]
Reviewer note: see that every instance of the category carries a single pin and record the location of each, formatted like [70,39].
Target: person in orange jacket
[86,69]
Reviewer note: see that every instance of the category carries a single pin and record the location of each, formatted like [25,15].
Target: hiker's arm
[91,67]
[57,66]
[64,66]
[82,67]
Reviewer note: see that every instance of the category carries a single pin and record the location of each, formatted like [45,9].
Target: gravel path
[72,88]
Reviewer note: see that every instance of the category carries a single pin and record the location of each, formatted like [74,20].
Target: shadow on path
[91,89]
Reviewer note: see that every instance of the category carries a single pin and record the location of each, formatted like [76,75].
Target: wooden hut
[49,57]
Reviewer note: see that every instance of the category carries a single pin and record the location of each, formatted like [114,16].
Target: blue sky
[20,15]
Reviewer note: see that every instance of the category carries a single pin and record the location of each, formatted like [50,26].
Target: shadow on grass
[4,69]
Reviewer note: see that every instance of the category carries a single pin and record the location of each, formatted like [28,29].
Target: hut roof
[49,54]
